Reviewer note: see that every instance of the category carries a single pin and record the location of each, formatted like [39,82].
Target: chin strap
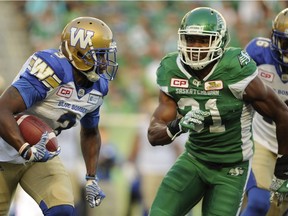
[91,76]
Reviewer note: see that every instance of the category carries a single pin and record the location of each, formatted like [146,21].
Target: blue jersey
[269,71]
[46,84]
[260,52]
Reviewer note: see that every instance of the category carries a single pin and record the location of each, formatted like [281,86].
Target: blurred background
[144,31]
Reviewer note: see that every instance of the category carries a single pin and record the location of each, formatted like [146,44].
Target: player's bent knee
[60,210]
[258,200]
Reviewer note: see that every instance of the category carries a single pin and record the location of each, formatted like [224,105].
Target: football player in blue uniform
[62,87]
[271,57]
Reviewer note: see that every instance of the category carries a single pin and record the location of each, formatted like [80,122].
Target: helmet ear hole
[80,55]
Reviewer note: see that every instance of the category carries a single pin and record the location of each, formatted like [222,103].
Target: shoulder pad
[49,67]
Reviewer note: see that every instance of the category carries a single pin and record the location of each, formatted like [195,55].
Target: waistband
[214,165]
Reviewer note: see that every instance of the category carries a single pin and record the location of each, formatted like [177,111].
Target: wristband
[169,133]
[91,177]
[173,129]
[23,151]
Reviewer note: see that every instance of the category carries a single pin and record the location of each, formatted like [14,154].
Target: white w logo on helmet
[81,37]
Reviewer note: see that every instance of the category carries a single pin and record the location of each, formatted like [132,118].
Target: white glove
[94,194]
[279,185]
[39,153]
[194,120]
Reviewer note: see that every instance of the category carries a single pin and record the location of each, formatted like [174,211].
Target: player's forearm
[91,159]
[9,130]
[90,146]
[11,102]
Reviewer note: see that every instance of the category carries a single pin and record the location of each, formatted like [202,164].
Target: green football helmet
[206,22]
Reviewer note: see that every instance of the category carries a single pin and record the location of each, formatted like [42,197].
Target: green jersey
[225,134]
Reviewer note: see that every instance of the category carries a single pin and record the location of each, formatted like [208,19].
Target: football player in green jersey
[210,91]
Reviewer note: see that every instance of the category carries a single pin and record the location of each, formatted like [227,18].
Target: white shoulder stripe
[238,88]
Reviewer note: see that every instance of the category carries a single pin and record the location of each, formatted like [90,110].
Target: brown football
[32,128]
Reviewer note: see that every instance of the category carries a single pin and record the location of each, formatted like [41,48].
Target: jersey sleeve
[238,88]
[163,75]
[91,120]
[28,92]
[259,49]
[251,46]
[243,72]
[46,66]
[41,73]
[160,79]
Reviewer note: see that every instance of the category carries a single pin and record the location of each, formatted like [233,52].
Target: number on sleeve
[262,43]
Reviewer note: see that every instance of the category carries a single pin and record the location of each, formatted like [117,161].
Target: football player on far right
[271,57]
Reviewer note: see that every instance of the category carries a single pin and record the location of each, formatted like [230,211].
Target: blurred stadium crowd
[144,31]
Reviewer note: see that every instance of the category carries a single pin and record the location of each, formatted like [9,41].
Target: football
[32,128]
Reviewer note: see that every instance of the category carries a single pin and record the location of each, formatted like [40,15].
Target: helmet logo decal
[194,29]
[220,22]
[80,37]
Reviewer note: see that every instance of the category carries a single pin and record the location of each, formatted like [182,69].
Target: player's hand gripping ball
[32,129]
